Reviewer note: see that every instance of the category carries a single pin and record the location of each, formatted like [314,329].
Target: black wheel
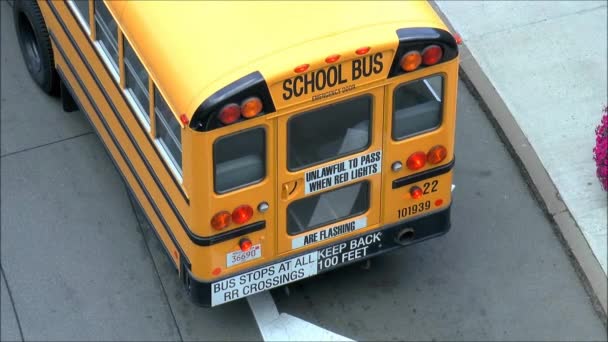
[35,45]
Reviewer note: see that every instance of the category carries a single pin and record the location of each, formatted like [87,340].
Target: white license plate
[239,257]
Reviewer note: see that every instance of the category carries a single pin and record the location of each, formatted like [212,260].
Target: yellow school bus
[266,142]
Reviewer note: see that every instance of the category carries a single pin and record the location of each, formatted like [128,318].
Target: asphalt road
[80,263]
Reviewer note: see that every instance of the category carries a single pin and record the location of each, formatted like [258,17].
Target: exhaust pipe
[405,236]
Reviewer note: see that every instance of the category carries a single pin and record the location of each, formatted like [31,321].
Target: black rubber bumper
[326,258]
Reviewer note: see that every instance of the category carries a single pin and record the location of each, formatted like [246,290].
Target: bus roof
[194,48]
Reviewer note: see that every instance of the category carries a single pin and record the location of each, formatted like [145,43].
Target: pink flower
[600,151]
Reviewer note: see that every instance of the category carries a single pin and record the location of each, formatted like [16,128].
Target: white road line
[284,327]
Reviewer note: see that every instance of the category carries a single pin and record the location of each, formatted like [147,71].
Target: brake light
[410,61]
[436,154]
[332,58]
[242,214]
[245,244]
[220,220]
[431,54]
[416,161]
[251,107]
[362,50]
[416,192]
[230,113]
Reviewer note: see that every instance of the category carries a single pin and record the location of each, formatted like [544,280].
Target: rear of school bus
[347,154]
[314,134]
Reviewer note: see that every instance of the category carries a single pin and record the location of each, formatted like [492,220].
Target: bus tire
[35,45]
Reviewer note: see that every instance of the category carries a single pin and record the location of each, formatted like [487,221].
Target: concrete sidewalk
[541,69]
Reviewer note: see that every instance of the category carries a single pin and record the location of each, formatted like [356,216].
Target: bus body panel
[187,73]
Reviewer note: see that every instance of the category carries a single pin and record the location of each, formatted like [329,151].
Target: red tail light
[220,220]
[416,192]
[431,54]
[416,161]
[242,214]
[436,154]
[230,113]
[245,244]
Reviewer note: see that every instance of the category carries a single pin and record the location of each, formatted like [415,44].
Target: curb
[584,261]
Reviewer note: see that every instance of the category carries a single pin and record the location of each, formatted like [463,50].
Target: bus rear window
[328,133]
[326,208]
[417,107]
[240,160]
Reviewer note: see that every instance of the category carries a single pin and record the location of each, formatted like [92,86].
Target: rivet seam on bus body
[263,207]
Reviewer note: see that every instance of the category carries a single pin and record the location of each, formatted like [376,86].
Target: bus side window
[136,83]
[168,133]
[81,8]
[106,32]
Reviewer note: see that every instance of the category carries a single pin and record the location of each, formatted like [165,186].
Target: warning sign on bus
[297,268]
[328,233]
[345,171]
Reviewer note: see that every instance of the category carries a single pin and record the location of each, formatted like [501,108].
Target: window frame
[441,100]
[85,23]
[368,199]
[369,138]
[163,149]
[106,56]
[265,159]
[143,114]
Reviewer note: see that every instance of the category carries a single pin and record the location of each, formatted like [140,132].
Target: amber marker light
[251,107]
[220,220]
[436,154]
[410,61]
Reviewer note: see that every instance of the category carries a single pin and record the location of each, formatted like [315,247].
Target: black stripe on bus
[67,85]
[120,91]
[401,182]
[198,240]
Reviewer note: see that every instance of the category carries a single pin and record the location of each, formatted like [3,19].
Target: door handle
[288,189]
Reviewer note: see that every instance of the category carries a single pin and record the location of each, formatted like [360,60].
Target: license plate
[239,257]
